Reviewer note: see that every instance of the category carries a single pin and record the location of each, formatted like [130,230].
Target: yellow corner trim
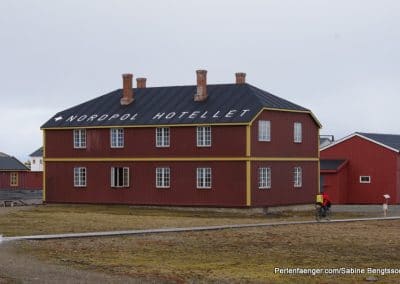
[248,141]
[248,183]
[44,167]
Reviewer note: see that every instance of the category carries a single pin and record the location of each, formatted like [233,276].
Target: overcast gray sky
[341,58]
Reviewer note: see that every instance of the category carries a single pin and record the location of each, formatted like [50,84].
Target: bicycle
[322,212]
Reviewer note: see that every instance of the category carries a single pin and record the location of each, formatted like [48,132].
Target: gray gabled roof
[37,153]
[226,103]
[390,140]
[9,163]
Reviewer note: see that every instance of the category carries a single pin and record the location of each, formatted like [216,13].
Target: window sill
[204,188]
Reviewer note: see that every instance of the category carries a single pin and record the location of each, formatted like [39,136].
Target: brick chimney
[127,91]
[201,94]
[240,78]
[141,83]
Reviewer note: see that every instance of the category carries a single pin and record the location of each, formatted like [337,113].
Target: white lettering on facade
[194,114]
[231,113]
[183,113]
[114,116]
[82,117]
[71,118]
[92,117]
[244,112]
[216,115]
[103,117]
[125,116]
[159,115]
[170,115]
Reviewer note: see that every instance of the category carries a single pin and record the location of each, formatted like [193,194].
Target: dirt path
[21,268]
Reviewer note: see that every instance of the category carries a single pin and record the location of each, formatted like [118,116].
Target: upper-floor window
[365,179]
[14,179]
[264,130]
[80,176]
[264,178]
[79,138]
[297,177]
[162,137]
[117,137]
[203,177]
[204,136]
[163,177]
[120,177]
[297,132]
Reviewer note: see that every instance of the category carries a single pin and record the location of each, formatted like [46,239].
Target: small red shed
[15,175]
[361,168]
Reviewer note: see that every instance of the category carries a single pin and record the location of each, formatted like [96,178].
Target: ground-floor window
[80,176]
[365,179]
[14,179]
[120,177]
[297,177]
[163,177]
[264,178]
[203,177]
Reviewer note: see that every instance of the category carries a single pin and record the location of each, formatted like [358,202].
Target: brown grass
[236,255]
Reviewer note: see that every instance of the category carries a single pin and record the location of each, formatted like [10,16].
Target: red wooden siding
[282,191]
[228,184]
[140,142]
[281,144]
[369,159]
[26,180]
[335,185]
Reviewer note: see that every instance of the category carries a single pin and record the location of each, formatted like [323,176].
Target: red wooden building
[15,175]
[361,168]
[227,145]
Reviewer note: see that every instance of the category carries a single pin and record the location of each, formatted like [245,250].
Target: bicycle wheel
[318,214]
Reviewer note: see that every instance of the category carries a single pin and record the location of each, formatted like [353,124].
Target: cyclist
[326,203]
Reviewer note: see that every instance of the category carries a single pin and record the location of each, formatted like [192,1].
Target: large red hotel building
[226,145]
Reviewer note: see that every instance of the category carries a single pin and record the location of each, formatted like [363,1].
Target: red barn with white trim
[227,145]
[361,168]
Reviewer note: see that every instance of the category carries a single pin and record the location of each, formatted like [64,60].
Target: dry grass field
[225,256]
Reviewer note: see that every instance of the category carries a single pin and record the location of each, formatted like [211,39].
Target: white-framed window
[264,130]
[163,177]
[204,178]
[117,137]
[297,132]
[79,138]
[264,178]
[162,137]
[203,136]
[365,179]
[297,177]
[13,179]
[120,177]
[80,177]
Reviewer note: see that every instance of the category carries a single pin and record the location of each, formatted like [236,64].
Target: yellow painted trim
[248,183]
[183,159]
[44,167]
[248,141]
[148,126]
[319,167]
[287,110]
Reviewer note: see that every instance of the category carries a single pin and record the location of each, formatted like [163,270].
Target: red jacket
[325,200]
